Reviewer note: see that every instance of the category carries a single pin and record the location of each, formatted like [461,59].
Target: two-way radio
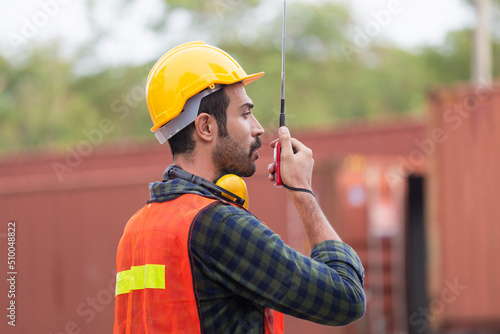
[278,182]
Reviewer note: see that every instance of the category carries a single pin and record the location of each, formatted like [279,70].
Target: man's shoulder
[221,211]
[224,217]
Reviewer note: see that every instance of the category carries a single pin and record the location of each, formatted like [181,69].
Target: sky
[419,22]
[30,23]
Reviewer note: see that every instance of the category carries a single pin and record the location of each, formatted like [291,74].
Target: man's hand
[296,171]
[296,161]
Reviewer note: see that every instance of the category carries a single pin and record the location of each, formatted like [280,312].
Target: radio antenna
[282,112]
[277,149]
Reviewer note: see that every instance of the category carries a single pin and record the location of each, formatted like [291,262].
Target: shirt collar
[172,189]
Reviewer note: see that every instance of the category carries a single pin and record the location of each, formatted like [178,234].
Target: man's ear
[205,126]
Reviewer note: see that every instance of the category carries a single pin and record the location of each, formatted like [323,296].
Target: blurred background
[397,99]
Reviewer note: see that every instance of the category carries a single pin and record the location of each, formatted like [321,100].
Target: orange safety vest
[155,288]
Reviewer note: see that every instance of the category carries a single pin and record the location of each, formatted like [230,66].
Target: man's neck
[197,167]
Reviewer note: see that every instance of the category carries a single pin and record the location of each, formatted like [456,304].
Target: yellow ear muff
[236,185]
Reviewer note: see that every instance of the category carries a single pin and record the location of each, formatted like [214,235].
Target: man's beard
[230,157]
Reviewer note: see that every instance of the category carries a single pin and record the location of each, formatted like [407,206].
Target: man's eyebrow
[246,106]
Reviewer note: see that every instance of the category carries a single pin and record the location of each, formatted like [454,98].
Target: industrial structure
[417,199]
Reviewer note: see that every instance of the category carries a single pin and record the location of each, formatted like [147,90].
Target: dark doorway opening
[416,258]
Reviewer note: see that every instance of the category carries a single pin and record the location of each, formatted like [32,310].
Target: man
[193,260]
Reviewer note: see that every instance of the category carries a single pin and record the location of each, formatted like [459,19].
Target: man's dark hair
[214,104]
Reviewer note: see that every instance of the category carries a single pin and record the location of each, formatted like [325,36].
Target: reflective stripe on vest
[155,288]
[151,276]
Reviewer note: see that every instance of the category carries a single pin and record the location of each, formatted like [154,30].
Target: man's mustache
[255,146]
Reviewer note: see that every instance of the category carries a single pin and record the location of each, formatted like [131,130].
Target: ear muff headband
[175,172]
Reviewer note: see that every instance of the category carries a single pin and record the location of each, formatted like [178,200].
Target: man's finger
[271,168]
[271,177]
[273,143]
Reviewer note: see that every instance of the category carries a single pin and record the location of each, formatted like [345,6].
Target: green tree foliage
[39,105]
[452,61]
[44,102]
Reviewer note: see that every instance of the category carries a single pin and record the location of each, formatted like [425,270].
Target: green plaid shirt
[241,267]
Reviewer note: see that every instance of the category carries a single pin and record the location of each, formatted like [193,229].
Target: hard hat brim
[252,77]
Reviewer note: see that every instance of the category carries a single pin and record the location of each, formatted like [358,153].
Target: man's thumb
[284,135]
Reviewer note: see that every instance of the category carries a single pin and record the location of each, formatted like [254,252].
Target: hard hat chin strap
[187,115]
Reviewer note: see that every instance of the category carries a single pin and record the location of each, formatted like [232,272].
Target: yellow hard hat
[185,71]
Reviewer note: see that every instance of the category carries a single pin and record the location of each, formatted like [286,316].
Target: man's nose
[257,129]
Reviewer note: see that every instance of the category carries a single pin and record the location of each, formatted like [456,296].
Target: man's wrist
[301,196]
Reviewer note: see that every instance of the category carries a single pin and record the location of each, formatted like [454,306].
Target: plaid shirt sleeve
[253,262]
